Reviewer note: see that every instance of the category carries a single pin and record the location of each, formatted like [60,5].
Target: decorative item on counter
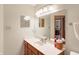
[59,44]
[63,40]
[44,38]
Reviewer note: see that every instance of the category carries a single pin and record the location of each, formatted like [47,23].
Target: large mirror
[54,25]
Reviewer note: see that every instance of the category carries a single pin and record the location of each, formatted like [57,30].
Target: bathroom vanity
[32,48]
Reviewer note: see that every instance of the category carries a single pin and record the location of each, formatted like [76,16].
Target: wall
[1,29]
[71,17]
[13,33]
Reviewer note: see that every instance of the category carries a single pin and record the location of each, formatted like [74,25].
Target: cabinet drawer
[32,49]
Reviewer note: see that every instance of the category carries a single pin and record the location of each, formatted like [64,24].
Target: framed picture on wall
[41,22]
[24,23]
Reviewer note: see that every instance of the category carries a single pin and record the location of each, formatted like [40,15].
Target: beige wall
[13,33]
[1,29]
[71,17]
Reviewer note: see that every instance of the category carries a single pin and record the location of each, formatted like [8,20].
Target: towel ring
[75,30]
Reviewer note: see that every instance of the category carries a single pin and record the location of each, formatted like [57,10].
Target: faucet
[43,39]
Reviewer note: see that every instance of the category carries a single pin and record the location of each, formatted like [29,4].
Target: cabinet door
[29,52]
[34,51]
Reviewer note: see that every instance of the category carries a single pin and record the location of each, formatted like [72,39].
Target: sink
[44,42]
[39,43]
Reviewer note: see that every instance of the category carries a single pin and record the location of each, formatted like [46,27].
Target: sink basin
[39,43]
[42,43]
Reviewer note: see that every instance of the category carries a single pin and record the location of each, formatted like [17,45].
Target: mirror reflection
[54,27]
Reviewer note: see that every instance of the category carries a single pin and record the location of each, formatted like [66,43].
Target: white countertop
[47,49]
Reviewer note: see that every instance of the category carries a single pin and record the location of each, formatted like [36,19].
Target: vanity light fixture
[50,8]
[39,12]
[47,10]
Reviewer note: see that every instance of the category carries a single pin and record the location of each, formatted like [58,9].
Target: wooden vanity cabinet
[30,50]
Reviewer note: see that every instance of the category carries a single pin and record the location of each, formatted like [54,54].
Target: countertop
[46,48]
